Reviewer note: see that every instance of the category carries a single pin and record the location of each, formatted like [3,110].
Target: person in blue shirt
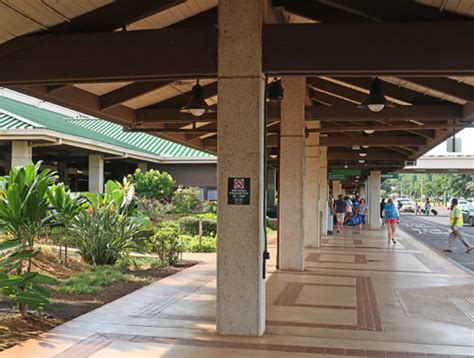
[391,216]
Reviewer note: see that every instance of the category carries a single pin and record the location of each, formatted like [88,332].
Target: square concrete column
[21,153]
[292,171]
[336,188]
[96,173]
[374,200]
[240,128]
[143,166]
[271,187]
[324,190]
[312,222]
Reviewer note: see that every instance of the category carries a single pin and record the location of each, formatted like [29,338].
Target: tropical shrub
[167,244]
[23,215]
[152,184]
[186,199]
[103,235]
[198,244]
[64,207]
[154,208]
[190,225]
[117,195]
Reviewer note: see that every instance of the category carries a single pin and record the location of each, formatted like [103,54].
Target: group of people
[349,210]
[427,208]
[346,209]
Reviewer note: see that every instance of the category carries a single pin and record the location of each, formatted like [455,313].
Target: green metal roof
[19,115]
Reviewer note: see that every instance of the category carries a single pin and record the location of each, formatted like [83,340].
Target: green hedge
[196,244]
[190,225]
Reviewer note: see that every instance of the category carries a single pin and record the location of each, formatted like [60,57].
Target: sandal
[394,241]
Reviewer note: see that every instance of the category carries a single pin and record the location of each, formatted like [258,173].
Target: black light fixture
[376,101]
[275,91]
[363,153]
[196,106]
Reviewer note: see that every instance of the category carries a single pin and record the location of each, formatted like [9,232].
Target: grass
[92,282]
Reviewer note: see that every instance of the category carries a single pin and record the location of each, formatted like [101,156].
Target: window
[201,194]
[212,194]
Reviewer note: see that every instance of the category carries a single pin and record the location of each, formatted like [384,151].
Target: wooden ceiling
[135,62]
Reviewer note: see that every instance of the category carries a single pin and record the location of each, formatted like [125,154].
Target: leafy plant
[190,225]
[23,215]
[118,195]
[167,245]
[186,199]
[65,206]
[103,235]
[152,184]
[92,282]
[154,208]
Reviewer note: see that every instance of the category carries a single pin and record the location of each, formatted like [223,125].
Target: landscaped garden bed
[79,290]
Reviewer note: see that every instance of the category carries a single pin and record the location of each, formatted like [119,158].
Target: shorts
[391,221]
[340,216]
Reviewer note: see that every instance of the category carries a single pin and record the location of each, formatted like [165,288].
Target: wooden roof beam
[129,92]
[445,85]
[111,56]
[385,128]
[370,156]
[372,141]
[422,48]
[115,15]
[419,113]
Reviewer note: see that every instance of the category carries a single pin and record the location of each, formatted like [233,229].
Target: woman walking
[363,210]
[391,215]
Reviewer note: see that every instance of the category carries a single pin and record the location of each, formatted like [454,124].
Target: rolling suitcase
[435,212]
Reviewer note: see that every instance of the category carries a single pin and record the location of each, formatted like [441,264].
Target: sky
[466,135]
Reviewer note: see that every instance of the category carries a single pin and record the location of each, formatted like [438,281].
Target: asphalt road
[433,231]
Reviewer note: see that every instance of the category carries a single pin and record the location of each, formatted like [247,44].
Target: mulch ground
[14,329]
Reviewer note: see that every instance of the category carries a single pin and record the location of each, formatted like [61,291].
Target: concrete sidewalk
[359,296]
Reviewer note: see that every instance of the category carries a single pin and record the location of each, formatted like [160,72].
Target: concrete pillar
[96,173]
[324,190]
[240,128]
[271,187]
[292,170]
[374,200]
[143,166]
[21,153]
[312,222]
[336,188]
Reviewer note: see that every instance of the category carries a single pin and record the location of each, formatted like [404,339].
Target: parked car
[468,214]
[407,205]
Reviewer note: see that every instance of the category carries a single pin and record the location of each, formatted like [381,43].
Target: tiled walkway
[358,297]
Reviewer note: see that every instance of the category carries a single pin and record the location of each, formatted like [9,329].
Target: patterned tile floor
[357,297]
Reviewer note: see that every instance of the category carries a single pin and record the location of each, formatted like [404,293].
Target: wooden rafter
[372,141]
[129,92]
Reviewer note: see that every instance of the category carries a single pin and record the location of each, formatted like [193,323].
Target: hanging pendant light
[355,147]
[376,100]
[369,131]
[361,161]
[275,91]
[196,106]
[363,153]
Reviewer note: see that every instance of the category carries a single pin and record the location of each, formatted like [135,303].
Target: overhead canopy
[134,63]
